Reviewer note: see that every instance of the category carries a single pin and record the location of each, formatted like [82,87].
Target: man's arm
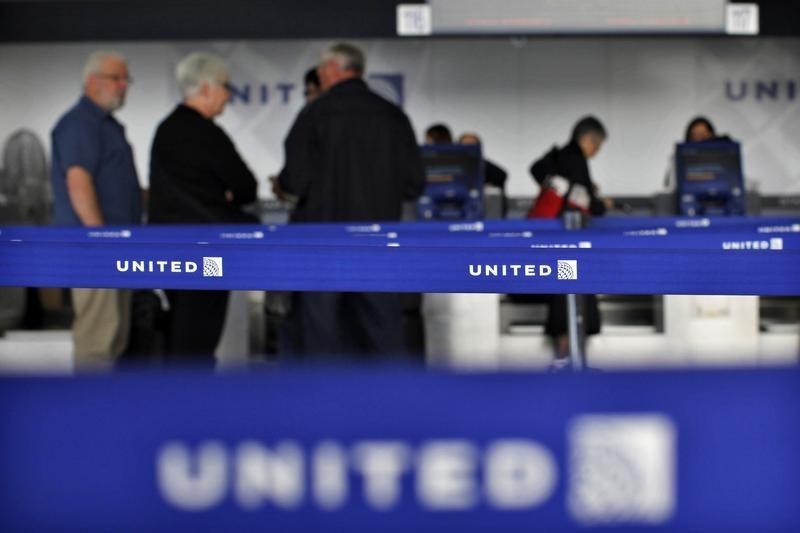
[294,178]
[414,171]
[83,197]
[494,175]
[233,171]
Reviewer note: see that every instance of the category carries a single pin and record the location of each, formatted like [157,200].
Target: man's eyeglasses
[228,87]
[116,78]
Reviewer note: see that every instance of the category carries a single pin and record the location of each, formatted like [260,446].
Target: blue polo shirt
[90,137]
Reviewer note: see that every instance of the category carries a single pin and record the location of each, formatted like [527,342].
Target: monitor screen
[709,178]
[454,175]
[453,163]
[714,164]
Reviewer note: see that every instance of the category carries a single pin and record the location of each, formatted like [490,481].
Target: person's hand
[276,188]
[608,203]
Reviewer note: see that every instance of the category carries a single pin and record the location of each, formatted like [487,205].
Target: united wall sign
[389,85]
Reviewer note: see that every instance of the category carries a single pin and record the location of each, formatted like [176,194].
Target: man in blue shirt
[94,184]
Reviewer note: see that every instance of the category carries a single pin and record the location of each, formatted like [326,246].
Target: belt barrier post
[574,220]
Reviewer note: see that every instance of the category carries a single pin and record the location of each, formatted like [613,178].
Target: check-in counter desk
[676,328]
[480,330]
[498,331]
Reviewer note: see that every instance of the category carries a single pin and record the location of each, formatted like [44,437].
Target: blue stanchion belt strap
[744,236]
[744,259]
[492,228]
[401,451]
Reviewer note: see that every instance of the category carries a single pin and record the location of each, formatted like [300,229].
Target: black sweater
[192,164]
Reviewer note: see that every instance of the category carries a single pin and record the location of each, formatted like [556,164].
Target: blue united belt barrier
[402,451]
[789,223]
[477,269]
[746,255]
[496,228]
[746,237]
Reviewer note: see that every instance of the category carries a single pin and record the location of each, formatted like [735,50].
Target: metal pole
[573,220]
[577,358]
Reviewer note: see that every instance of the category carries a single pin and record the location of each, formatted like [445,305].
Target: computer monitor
[709,178]
[454,182]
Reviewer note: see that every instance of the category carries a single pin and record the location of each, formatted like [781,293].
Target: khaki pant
[101,326]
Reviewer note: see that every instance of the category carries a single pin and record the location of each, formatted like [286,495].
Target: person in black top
[311,90]
[699,129]
[350,156]
[493,174]
[281,333]
[438,134]
[197,177]
[311,86]
[570,163]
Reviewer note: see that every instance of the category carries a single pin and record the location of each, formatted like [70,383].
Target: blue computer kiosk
[709,178]
[711,329]
[454,182]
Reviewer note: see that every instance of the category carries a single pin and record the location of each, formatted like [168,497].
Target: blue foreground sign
[380,450]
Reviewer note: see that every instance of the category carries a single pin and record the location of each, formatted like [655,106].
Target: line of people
[349,156]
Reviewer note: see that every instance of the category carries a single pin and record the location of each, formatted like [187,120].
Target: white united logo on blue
[567,269]
[212,267]
[622,469]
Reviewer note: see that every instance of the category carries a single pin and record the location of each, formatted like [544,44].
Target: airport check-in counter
[500,330]
[716,329]
[495,330]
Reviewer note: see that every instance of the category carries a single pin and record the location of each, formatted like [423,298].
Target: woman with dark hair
[699,129]
[438,134]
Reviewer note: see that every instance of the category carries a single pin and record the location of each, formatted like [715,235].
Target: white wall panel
[522,96]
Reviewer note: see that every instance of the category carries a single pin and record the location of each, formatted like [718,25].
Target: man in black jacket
[350,156]
[197,177]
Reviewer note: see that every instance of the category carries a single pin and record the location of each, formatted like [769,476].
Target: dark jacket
[494,175]
[192,164]
[568,162]
[351,156]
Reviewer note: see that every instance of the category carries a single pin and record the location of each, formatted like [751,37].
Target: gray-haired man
[95,183]
[350,156]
